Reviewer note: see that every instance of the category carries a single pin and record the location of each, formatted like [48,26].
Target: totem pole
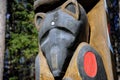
[73,45]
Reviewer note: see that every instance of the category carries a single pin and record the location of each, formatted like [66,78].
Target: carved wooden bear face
[60,31]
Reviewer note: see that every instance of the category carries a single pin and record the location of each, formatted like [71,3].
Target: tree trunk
[2,34]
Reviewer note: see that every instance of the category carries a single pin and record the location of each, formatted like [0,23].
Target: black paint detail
[101,73]
[88,4]
[49,7]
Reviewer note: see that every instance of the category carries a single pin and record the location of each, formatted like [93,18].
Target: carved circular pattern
[90,64]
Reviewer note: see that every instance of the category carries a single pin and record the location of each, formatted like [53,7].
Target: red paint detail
[90,64]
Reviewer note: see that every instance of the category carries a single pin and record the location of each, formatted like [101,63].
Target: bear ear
[39,18]
[71,7]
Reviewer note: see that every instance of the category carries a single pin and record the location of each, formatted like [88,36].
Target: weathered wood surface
[2,34]
[77,68]
[72,72]
[98,40]
[99,35]
[44,71]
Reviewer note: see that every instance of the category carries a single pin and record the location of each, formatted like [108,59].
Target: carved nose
[55,50]
[68,78]
[56,73]
[54,60]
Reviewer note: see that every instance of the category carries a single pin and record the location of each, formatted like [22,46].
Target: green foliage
[13,78]
[23,43]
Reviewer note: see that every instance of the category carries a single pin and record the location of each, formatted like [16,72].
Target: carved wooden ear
[71,7]
[39,17]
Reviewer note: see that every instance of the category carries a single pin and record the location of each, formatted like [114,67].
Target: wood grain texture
[2,35]
[99,36]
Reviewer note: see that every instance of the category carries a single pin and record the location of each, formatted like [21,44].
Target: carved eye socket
[71,7]
[39,17]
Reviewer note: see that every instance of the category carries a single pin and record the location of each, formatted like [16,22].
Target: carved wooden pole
[2,35]
[59,28]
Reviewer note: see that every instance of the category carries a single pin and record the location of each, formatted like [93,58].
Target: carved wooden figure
[73,45]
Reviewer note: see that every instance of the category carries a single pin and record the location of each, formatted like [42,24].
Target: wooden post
[2,34]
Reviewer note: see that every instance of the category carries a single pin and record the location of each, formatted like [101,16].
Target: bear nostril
[56,72]
[54,61]
[67,78]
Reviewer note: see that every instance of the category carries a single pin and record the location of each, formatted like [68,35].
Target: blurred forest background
[21,41]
